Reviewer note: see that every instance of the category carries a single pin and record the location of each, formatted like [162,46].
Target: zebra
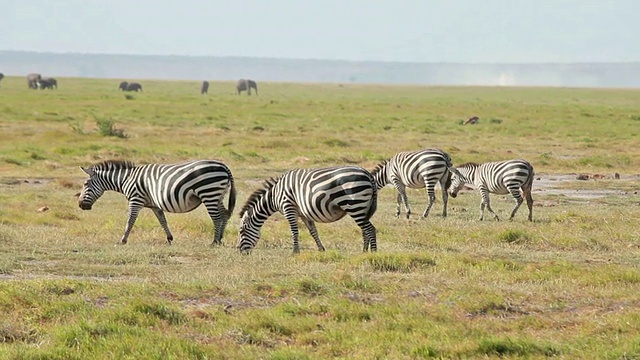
[315,195]
[176,188]
[503,177]
[416,170]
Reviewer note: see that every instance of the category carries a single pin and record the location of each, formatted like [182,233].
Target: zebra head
[254,213]
[248,234]
[91,191]
[461,176]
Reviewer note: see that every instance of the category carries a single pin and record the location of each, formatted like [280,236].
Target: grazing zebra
[416,170]
[176,188]
[322,195]
[503,177]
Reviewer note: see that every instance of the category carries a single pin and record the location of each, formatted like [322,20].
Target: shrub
[106,128]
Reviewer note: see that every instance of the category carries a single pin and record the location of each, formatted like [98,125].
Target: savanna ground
[566,285]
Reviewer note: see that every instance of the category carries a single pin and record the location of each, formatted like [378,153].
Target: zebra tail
[374,199]
[232,198]
[528,184]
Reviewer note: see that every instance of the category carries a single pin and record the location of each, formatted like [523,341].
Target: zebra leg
[163,222]
[134,210]
[402,196]
[368,236]
[219,216]
[445,195]
[220,224]
[314,232]
[431,192]
[516,194]
[486,203]
[291,215]
[527,195]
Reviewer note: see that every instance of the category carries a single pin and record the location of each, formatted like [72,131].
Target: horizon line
[321,59]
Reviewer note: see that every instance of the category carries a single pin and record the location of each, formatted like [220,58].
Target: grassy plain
[566,285]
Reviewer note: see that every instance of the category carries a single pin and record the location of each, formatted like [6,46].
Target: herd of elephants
[37,81]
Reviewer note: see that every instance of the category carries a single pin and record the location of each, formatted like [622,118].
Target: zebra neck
[382,177]
[116,180]
[469,173]
[264,209]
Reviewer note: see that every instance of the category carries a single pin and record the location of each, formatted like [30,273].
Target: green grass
[564,286]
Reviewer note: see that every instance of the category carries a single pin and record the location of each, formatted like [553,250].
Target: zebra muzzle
[85,206]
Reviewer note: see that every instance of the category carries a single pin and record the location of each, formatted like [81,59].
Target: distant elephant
[246,84]
[204,89]
[33,79]
[48,83]
[1,76]
[125,86]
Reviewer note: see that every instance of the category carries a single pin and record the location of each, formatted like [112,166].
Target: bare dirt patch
[555,184]
[11,181]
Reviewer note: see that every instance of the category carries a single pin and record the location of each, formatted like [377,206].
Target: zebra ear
[455,171]
[87,171]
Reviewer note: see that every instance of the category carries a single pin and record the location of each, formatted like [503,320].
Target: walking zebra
[416,170]
[176,188]
[322,195]
[503,177]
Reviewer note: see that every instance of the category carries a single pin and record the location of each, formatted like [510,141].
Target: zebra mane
[379,167]
[113,165]
[258,194]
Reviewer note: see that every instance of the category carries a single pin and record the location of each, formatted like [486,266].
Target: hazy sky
[381,30]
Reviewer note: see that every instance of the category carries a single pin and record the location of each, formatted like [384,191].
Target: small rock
[582,177]
[43,209]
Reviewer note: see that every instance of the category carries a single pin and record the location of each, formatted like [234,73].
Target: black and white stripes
[416,170]
[322,195]
[315,195]
[513,177]
[176,188]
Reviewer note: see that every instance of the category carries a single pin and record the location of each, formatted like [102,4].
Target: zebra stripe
[176,188]
[315,195]
[416,170]
[503,177]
